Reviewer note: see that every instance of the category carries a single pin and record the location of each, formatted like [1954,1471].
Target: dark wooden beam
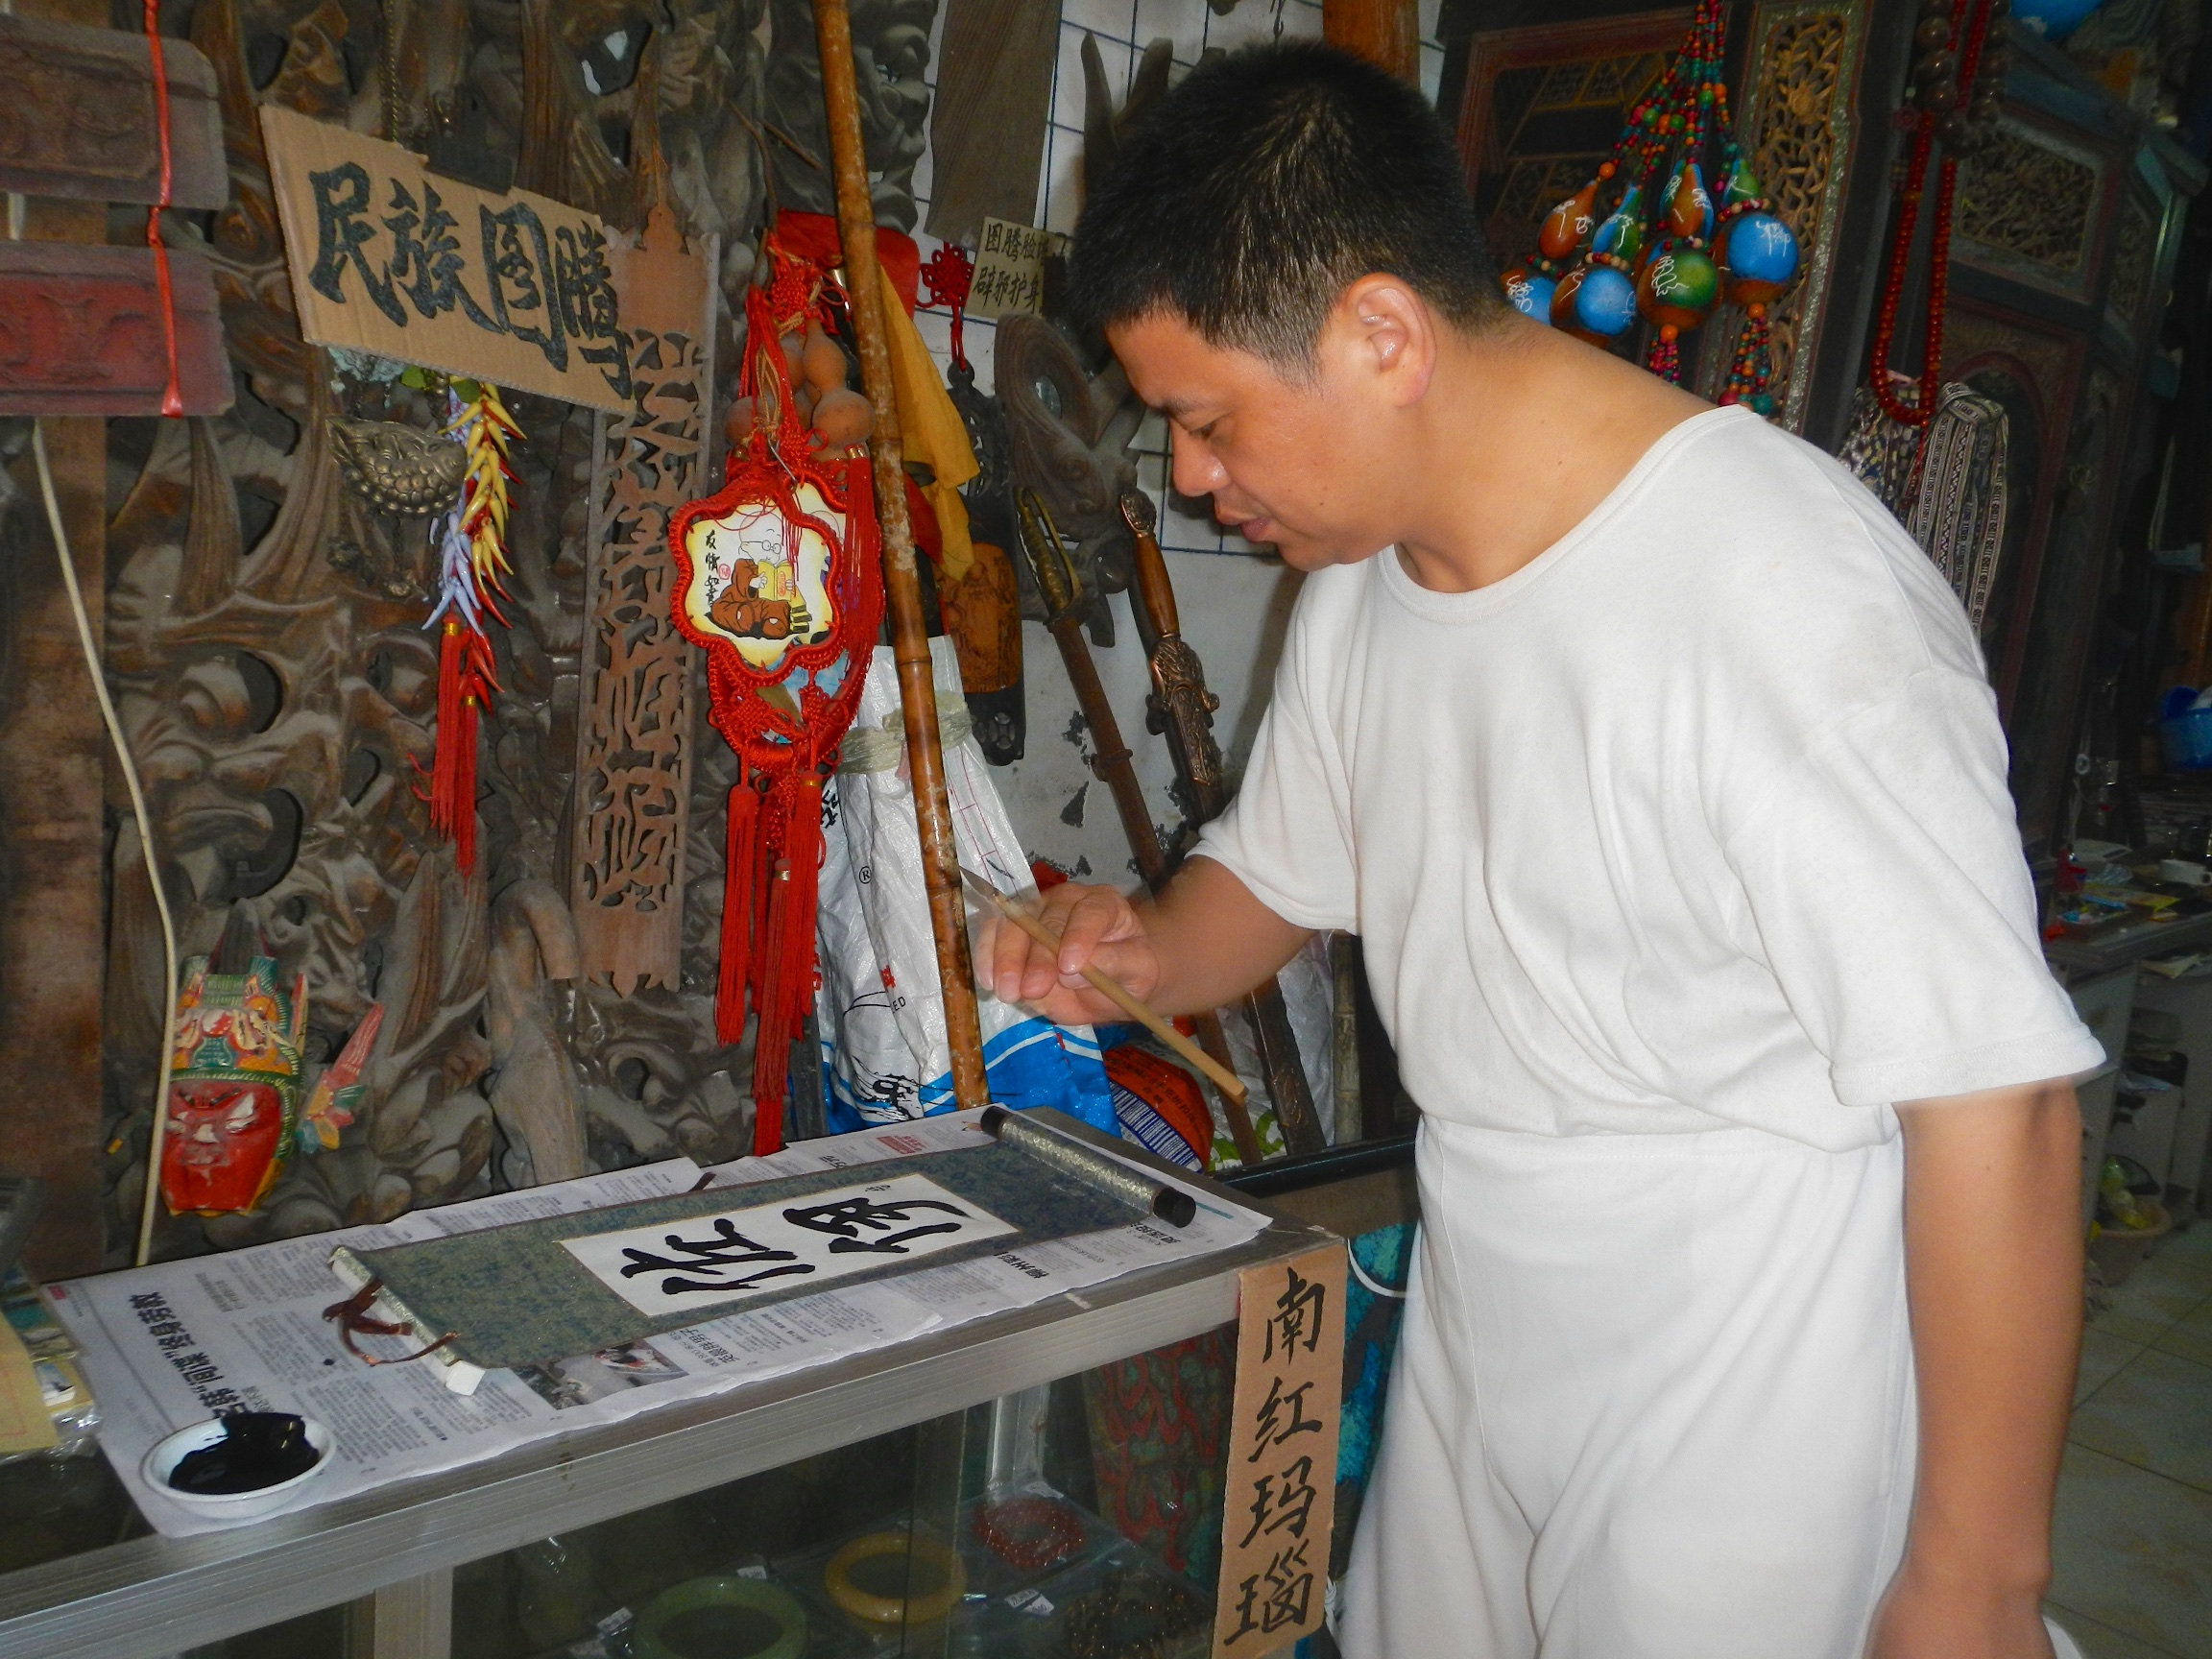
[76,116]
[81,331]
[1384,32]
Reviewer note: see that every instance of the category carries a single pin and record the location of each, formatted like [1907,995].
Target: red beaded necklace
[1940,76]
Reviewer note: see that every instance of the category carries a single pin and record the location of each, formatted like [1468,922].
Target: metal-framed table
[392,1552]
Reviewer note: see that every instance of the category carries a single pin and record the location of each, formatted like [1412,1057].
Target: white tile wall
[1233,609]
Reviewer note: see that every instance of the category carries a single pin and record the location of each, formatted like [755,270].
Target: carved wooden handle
[1153,589]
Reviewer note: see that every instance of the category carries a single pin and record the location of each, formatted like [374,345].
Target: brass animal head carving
[398,469]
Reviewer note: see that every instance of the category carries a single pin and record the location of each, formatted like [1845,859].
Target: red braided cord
[172,394]
[1974,14]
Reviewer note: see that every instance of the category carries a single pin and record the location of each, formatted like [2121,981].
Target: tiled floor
[2133,1541]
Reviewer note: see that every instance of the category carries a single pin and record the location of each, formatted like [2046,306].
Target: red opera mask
[234,1087]
[220,1153]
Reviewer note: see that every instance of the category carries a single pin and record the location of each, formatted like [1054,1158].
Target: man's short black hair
[1254,193]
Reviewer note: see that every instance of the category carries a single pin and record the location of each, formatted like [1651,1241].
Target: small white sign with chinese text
[1010,268]
[738,1255]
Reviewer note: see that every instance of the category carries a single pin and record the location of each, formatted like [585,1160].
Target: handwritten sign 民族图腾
[389,258]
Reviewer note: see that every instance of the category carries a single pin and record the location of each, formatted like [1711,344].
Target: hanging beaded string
[1593,278]
[1941,78]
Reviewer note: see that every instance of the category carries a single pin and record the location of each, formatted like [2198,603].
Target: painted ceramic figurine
[235,1095]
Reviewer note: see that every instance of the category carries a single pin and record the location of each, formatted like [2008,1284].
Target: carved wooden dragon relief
[265,641]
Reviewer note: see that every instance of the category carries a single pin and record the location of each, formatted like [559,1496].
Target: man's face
[1305,465]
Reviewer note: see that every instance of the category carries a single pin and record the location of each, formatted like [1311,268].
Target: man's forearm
[1993,1253]
[1214,940]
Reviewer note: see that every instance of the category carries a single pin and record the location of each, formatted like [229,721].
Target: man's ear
[1390,334]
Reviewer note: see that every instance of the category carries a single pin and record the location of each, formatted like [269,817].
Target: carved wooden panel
[81,331]
[280,700]
[994,97]
[1796,123]
[76,116]
[890,64]
[634,714]
[1542,108]
[2134,260]
[1972,338]
[2027,207]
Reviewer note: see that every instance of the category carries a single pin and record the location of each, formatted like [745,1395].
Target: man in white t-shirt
[1657,770]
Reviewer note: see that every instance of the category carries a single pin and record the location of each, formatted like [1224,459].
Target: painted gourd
[1567,223]
[1680,286]
[1688,208]
[1605,302]
[1531,296]
[1759,257]
[1622,236]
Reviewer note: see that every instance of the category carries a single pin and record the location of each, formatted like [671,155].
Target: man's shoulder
[1778,544]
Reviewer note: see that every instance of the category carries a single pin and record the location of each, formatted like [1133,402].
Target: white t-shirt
[1698,819]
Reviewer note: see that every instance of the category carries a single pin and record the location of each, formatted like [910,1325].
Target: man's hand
[1993,1267]
[1203,942]
[1095,925]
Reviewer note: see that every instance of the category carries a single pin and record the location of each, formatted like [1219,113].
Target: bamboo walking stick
[902,582]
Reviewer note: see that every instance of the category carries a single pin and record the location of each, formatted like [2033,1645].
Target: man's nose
[1196,469]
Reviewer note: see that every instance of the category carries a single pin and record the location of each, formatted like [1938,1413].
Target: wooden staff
[1182,710]
[902,582]
[1062,591]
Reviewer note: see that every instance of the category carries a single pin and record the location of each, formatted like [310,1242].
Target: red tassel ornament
[779,581]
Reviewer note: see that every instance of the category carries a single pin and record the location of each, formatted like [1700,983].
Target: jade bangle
[872,1608]
[659,1631]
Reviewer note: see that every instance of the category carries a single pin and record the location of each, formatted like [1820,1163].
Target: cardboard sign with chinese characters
[1010,268]
[1280,1500]
[387,257]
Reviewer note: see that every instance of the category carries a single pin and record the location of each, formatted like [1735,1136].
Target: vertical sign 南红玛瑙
[1281,1494]
[389,258]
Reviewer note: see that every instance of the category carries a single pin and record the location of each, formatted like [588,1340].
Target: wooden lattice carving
[2134,252]
[634,714]
[1797,125]
[2028,205]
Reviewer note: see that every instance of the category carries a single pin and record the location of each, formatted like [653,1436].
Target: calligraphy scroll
[1281,1488]
[717,1260]
[634,703]
[389,258]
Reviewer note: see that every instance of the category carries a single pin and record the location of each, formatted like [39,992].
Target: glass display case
[1045,1483]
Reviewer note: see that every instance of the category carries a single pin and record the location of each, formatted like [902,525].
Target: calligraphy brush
[1124,1000]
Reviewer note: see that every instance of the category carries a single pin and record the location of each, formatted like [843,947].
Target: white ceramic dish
[173,1449]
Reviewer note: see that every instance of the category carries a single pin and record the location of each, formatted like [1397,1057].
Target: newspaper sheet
[169,1345]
